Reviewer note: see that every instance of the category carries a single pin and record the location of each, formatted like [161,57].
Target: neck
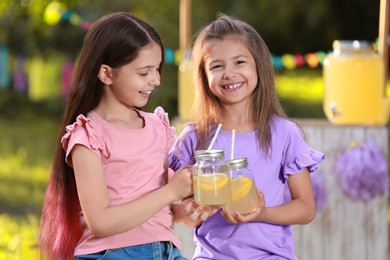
[238,119]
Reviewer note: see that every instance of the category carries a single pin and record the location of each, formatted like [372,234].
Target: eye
[240,62]
[144,74]
[215,67]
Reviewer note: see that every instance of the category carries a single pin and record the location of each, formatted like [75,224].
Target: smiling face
[231,71]
[132,84]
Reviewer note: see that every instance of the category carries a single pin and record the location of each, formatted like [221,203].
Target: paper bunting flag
[20,78]
[4,67]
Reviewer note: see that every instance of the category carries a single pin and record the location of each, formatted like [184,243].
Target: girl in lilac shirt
[234,83]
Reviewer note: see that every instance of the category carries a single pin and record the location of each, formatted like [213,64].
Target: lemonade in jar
[211,178]
[244,195]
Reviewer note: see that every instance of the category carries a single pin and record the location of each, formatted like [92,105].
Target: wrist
[170,193]
[262,215]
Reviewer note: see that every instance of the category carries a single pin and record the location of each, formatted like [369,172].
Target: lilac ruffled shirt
[216,238]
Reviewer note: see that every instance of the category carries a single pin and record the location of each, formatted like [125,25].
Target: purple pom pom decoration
[319,189]
[363,171]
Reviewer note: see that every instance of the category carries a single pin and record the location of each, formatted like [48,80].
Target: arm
[300,210]
[104,219]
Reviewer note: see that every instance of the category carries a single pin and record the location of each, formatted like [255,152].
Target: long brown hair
[265,103]
[114,40]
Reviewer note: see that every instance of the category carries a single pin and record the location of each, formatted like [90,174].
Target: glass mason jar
[354,84]
[211,178]
[244,195]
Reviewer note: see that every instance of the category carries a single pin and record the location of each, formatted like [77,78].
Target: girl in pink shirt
[108,196]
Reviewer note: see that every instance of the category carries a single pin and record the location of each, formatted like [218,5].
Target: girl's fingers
[213,210]
[197,212]
[228,216]
[204,216]
[187,208]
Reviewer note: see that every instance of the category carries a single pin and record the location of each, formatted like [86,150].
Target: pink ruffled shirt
[133,165]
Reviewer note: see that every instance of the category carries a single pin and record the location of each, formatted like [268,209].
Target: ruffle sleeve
[182,152]
[174,161]
[170,130]
[309,159]
[82,132]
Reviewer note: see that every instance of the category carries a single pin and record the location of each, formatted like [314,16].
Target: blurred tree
[357,20]
[287,26]
[298,25]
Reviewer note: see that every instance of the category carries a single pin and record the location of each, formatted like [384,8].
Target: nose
[156,79]
[228,73]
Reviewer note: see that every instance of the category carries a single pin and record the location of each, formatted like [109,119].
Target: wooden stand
[345,228]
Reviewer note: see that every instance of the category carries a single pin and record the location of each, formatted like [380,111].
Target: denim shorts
[152,251]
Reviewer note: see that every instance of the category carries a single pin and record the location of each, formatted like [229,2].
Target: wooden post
[185,25]
[383,48]
[185,82]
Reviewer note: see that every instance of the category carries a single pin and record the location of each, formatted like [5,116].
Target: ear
[105,74]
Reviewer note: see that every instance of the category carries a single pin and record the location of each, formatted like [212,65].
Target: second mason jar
[211,178]
[244,195]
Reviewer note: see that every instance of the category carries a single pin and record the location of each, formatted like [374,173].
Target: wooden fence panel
[345,228]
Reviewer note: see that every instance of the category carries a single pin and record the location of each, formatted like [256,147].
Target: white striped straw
[232,148]
[215,137]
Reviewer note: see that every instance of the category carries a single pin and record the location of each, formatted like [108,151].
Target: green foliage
[28,135]
[21,187]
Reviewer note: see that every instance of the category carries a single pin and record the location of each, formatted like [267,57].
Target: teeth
[233,86]
[146,92]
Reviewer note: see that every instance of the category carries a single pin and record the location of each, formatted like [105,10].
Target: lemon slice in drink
[213,181]
[241,187]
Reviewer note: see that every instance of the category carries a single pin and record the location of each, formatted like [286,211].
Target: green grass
[308,89]
[24,169]
[301,96]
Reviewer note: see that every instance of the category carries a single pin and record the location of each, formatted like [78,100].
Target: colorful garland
[57,11]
